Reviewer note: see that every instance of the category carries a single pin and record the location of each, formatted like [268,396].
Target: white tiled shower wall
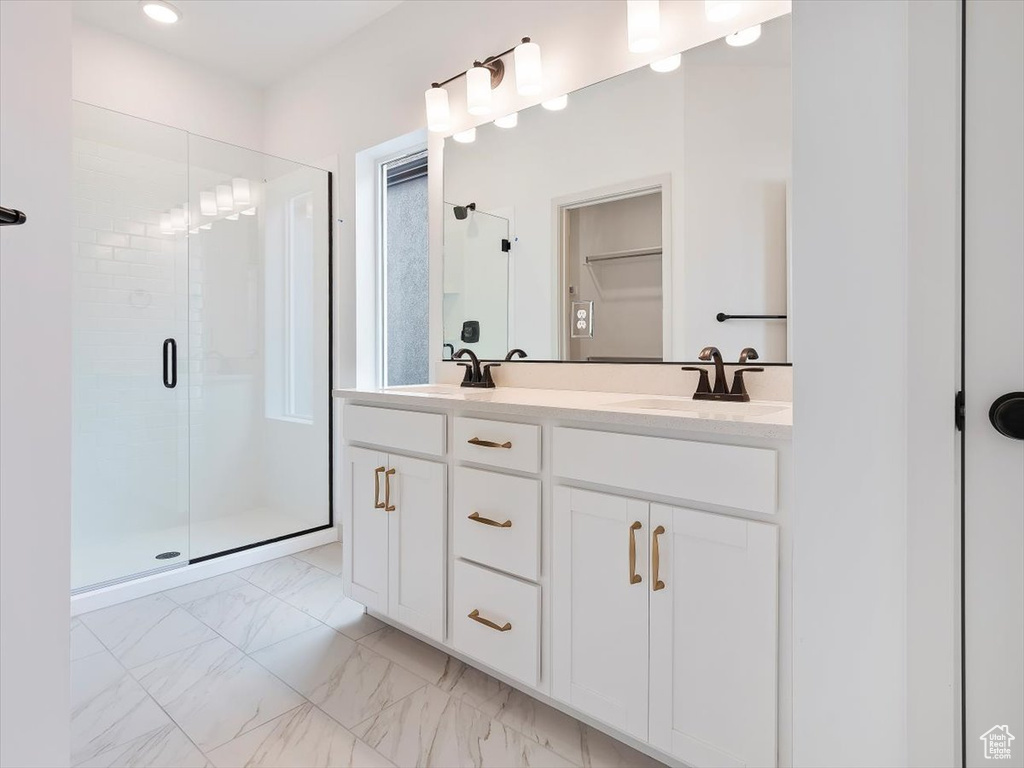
[130,446]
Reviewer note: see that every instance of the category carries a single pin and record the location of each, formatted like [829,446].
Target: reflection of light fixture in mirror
[249,211]
[744,36]
[165,224]
[478,90]
[232,217]
[225,200]
[529,71]
[643,20]
[721,10]
[159,10]
[194,231]
[240,191]
[668,64]
[556,104]
[465,137]
[178,222]
[508,121]
[438,116]
[207,226]
[208,203]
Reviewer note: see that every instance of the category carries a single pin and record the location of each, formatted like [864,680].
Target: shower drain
[168,555]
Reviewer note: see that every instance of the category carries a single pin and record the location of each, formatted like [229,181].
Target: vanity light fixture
[207,203]
[465,137]
[721,10]
[478,89]
[643,23]
[529,70]
[668,64]
[744,36]
[510,120]
[225,200]
[556,104]
[241,192]
[439,118]
[159,10]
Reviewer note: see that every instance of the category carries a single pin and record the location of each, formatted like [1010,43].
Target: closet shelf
[633,253]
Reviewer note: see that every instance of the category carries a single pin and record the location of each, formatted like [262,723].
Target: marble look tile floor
[272,666]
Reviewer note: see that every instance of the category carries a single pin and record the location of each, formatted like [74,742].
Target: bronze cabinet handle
[475,616]
[475,517]
[388,506]
[634,577]
[489,443]
[656,558]
[377,503]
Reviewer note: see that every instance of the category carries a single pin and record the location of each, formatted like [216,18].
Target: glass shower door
[258,354]
[130,380]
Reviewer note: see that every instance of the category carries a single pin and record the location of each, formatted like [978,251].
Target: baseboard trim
[187,574]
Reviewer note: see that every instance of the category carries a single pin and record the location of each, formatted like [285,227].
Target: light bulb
[667,64]
[208,203]
[465,137]
[478,91]
[241,192]
[744,36]
[508,121]
[438,116]
[529,70]
[556,104]
[225,200]
[721,10]
[643,22]
[161,11]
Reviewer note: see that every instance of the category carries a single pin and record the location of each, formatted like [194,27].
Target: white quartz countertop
[766,419]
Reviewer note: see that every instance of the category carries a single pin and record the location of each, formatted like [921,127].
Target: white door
[366,539]
[714,637]
[416,503]
[599,611]
[994,367]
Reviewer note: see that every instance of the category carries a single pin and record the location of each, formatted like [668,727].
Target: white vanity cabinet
[631,574]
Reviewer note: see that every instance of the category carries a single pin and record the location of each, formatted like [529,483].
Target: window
[404,271]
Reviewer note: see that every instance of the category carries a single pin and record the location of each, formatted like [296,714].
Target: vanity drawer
[391,428]
[498,443]
[707,473]
[512,644]
[504,531]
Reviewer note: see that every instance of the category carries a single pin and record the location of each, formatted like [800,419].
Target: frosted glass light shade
[166,228]
[208,203]
[241,192]
[161,11]
[668,64]
[721,10]
[478,91]
[465,137]
[225,200]
[232,217]
[207,226]
[438,116]
[508,121]
[744,36]
[529,70]
[178,220]
[249,211]
[556,104]
[643,24]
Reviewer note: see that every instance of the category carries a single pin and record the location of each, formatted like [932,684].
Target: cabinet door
[417,544]
[599,614]
[713,638]
[366,538]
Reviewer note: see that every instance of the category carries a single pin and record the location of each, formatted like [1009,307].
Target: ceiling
[258,41]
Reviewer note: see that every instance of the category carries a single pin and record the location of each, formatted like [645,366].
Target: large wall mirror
[641,222]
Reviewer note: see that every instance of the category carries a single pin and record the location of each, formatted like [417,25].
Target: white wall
[35,383]
[117,73]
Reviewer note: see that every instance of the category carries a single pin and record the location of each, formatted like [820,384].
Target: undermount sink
[711,407]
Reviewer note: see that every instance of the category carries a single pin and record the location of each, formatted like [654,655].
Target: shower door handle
[170,363]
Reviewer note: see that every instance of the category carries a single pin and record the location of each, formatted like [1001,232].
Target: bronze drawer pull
[656,558]
[634,577]
[388,506]
[488,443]
[377,503]
[475,616]
[475,517]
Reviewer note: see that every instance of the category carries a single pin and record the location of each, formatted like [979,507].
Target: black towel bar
[10,217]
[722,317]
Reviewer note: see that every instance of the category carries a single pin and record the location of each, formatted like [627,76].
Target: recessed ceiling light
[744,36]
[160,10]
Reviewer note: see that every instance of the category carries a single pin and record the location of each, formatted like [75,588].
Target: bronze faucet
[738,391]
[474,377]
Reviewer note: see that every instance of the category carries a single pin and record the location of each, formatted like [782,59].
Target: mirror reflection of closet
[613,266]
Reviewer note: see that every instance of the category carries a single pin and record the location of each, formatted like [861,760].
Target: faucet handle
[703,384]
[488,380]
[739,387]
[748,353]
[468,376]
